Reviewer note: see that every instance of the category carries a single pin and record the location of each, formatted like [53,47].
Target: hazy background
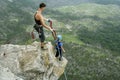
[90,30]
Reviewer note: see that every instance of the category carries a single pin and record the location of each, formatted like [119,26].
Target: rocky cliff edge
[29,62]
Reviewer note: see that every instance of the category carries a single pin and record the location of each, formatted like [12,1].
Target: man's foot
[56,55]
[60,59]
[42,45]
[45,43]
[43,48]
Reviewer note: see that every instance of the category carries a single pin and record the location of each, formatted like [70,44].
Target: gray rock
[29,62]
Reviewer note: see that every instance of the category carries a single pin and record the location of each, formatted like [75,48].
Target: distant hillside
[19,15]
[59,3]
[117,2]
[93,24]
[13,20]
[93,42]
[90,33]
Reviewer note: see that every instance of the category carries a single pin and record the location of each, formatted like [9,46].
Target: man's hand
[49,20]
[51,29]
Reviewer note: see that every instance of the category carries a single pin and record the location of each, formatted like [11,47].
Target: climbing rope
[65,75]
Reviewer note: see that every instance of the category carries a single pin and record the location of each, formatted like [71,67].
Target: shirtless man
[40,23]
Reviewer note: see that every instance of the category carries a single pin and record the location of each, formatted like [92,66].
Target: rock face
[29,62]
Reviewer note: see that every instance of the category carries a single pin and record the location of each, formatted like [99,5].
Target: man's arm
[45,19]
[43,23]
[48,20]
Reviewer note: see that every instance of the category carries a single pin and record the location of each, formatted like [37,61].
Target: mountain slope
[59,3]
[93,41]
[90,33]
[93,24]
[14,20]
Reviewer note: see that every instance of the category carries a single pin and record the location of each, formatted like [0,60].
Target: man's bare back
[40,23]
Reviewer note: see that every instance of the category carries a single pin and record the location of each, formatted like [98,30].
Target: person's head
[42,6]
[59,37]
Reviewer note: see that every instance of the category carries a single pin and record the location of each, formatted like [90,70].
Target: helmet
[59,37]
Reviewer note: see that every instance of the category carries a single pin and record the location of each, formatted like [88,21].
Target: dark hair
[42,5]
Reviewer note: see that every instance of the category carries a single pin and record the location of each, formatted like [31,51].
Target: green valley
[90,30]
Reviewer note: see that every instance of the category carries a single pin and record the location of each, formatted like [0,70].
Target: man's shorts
[40,31]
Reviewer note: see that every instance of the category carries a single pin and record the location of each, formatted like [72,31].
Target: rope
[65,75]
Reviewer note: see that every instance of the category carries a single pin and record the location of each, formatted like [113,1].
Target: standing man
[40,23]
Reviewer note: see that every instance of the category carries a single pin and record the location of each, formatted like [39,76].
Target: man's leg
[41,34]
[42,37]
